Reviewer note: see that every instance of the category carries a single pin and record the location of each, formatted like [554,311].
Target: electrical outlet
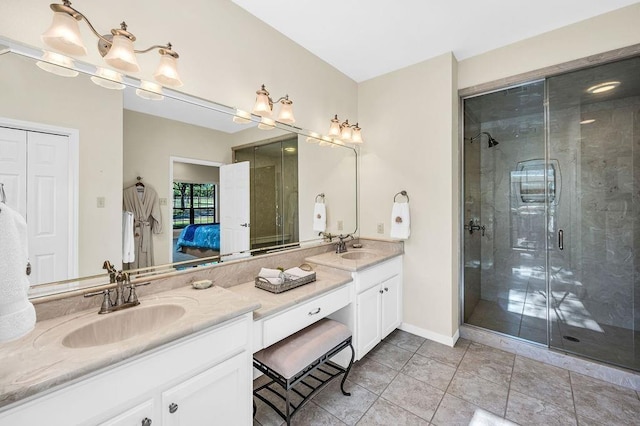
[340,225]
[381,228]
[100,202]
[163,201]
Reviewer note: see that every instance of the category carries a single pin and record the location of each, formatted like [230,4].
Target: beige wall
[410,115]
[30,94]
[149,142]
[194,173]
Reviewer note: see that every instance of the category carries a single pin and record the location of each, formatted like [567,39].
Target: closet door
[48,206]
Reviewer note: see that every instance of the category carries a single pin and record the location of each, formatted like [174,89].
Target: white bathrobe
[17,315]
[145,207]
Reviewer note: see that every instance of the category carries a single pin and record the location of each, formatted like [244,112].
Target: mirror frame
[72,285]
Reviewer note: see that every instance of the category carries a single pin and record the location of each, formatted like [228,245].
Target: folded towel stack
[274,276]
[319,217]
[294,273]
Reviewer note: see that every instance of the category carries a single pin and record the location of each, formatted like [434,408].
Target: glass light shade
[64,35]
[267,123]
[167,72]
[356,135]
[262,106]
[345,133]
[334,130]
[286,113]
[325,141]
[313,137]
[121,55]
[57,64]
[242,117]
[150,91]
[108,79]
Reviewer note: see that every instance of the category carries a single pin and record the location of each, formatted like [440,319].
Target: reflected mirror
[69,148]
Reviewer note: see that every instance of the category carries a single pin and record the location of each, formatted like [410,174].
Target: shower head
[492,141]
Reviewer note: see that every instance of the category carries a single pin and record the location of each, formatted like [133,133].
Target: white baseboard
[436,337]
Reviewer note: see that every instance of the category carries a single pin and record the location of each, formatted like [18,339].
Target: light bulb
[167,72]
[262,106]
[286,112]
[334,129]
[121,54]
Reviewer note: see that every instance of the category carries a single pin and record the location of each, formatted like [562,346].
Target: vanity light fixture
[603,87]
[107,78]
[241,117]
[350,133]
[264,107]
[266,123]
[57,64]
[150,91]
[116,48]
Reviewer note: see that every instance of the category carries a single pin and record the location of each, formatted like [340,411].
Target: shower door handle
[561,239]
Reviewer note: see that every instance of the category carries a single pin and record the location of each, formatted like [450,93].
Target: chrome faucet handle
[133,296]
[106,306]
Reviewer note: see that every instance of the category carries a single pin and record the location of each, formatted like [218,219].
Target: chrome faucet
[122,281]
[341,246]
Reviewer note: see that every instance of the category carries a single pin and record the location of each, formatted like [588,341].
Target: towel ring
[403,193]
[320,196]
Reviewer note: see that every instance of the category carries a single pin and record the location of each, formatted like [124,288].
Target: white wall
[195,173]
[409,146]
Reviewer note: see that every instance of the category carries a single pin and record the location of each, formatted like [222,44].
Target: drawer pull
[317,311]
[173,407]
[146,421]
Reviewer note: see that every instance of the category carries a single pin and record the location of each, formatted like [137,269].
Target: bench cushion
[293,354]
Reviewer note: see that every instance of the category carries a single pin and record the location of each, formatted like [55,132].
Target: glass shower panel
[504,212]
[593,223]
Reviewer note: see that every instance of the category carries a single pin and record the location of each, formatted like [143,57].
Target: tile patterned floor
[407,380]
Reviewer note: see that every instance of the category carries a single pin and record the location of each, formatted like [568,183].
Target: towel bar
[404,193]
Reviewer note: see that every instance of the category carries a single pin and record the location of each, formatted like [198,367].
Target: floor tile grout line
[506,405]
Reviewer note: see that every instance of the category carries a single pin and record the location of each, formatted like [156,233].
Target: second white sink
[357,255]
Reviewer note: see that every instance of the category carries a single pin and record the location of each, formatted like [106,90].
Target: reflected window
[193,203]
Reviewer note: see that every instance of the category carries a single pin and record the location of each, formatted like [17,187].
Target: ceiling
[367,38]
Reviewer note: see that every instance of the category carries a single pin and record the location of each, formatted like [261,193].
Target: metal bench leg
[344,378]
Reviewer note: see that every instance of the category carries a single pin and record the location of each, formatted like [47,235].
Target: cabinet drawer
[378,273]
[297,318]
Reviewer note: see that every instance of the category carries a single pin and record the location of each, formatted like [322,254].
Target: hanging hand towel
[17,315]
[128,245]
[400,221]
[319,217]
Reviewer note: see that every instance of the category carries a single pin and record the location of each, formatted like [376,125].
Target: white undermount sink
[123,325]
[357,255]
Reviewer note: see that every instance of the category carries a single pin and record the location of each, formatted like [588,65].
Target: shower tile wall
[472,203]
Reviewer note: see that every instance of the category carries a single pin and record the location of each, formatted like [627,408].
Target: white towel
[297,272]
[400,221]
[273,280]
[269,273]
[17,315]
[128,245]
[319,217]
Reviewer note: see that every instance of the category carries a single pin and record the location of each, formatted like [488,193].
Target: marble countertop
[340,260]
[272,303]
[39,360]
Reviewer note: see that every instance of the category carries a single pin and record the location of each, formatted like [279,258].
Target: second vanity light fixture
[350,133]
[264,108]
[116,48]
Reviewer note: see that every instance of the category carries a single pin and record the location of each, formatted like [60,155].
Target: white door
[140,415]
[13,168]
[234,208]
[368,320]
[34,168]
[391,305]
[217,396]
[48,206]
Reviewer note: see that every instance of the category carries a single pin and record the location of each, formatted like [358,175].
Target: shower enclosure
[551,205]
[273,191]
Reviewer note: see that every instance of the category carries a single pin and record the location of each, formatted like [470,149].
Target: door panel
[13,168]
[234,208]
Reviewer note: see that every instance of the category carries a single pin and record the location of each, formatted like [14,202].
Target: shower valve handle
[472,226]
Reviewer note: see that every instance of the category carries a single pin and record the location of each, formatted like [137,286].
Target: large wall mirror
[69,148]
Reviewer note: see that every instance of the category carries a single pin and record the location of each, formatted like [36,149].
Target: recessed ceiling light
[589,121]
[603,87]
[290,149]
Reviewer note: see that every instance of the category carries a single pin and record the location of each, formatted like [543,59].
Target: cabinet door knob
[146,421]
[386,289]
[173,407]
[381,291]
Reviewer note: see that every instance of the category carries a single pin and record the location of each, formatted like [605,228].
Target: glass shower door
[593,225]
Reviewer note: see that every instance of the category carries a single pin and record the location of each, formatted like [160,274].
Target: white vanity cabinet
[207,376]
[378,304]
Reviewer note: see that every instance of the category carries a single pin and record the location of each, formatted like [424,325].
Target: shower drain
[571,339]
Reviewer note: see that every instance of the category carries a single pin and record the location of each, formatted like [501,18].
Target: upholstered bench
[299,357]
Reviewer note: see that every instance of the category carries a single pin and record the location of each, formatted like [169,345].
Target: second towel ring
[403,193]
